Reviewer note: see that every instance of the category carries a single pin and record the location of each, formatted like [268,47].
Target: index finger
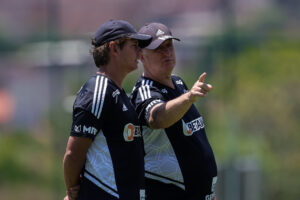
[202,77]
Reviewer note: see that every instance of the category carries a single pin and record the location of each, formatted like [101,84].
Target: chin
[169,66]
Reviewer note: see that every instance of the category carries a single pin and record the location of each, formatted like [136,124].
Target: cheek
[157,59]
[133,54]
[155,62]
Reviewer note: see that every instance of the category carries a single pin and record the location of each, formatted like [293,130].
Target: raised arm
[166,114]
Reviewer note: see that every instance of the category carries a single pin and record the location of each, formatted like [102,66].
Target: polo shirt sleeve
[144,98]
[88,111]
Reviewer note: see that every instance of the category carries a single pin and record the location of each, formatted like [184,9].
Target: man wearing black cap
[105,145]
[179,161]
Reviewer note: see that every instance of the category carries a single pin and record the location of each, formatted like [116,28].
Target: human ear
[113,48]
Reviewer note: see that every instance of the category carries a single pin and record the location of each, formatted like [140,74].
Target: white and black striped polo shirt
[115,160]
[180,154]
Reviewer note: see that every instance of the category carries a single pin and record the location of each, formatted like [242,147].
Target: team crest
[164,91]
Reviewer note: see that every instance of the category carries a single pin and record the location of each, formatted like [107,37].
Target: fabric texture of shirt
[180,154]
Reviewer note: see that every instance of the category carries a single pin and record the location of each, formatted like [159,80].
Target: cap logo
[164,37]
[159,32]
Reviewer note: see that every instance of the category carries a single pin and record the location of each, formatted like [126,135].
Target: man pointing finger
[179,161]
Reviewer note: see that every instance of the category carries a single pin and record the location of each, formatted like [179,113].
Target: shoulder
[93,93]
[142,81]
[145,91]
[145,86]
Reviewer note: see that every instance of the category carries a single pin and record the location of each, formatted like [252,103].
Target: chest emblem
[193,126]
[164,91]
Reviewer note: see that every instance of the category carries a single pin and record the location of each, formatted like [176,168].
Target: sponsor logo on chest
[191,127]
[131,131]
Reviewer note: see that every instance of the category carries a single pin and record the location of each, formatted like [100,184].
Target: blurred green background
[250,50]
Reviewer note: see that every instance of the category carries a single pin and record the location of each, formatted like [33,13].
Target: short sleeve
[85,124]
[144,98]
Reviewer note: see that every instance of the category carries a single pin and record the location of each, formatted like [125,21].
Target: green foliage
[14,158]
[255,110]
[28,163]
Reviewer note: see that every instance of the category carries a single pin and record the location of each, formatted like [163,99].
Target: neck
[114,72]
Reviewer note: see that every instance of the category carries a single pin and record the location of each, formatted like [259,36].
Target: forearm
[166,114]
[74,159]
[72,169]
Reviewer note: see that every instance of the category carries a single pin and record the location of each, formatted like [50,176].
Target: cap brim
[143,39]
[157,42]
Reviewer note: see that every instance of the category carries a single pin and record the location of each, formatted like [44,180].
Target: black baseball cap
[159,33]
[115,29]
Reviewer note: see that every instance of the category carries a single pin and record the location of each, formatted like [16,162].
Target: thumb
[210,87]
[202,77]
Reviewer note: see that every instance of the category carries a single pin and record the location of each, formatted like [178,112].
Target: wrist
[190,98]
[72,188]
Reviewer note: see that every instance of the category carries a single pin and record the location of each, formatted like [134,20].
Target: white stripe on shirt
[102,100]
[141,94]
[99,94]
[95,94]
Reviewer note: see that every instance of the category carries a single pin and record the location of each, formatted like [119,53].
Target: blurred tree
[256,108]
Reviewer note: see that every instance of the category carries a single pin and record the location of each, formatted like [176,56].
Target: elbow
[157,119]
[71,160]
[157,123]
[154,125]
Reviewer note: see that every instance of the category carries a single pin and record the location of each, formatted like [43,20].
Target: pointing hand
[200,88]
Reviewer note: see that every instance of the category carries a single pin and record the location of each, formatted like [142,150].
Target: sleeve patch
[150,106]
[85,124]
